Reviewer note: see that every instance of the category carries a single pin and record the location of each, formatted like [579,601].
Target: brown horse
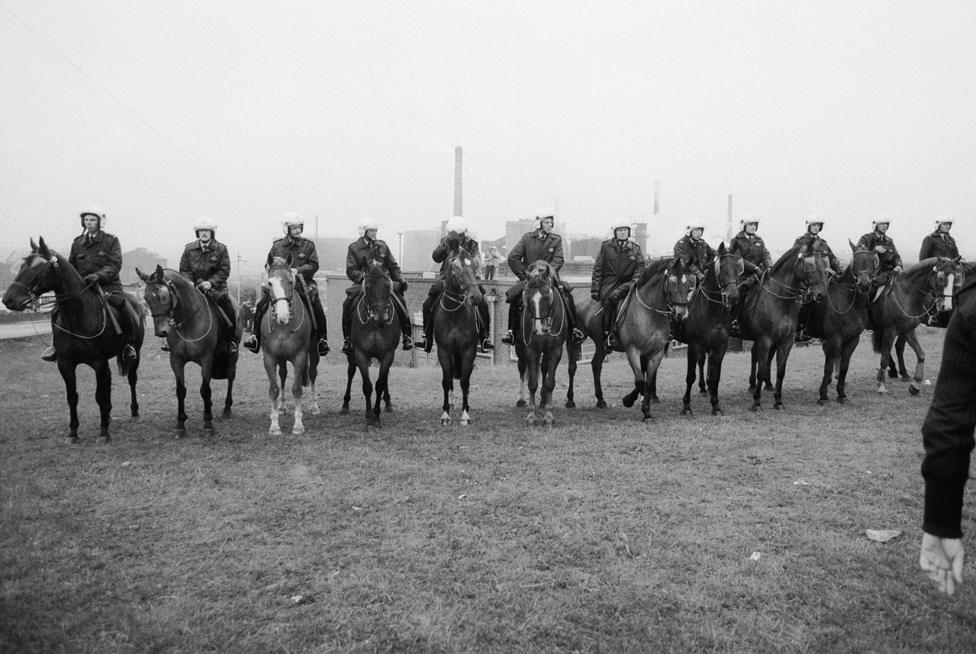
[456,330]
[539,345]
[374,334]
[82,329]
[287,336]
[658,299]
[771,311]
[191,325]
[920,291]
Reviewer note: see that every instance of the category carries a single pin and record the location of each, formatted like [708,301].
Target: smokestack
[657,197]
[458,191]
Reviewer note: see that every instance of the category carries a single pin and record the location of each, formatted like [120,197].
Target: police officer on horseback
[939,243]
[361,252]
[206,263]
[695,253]
[97,256]
[305,263]
[455,239]
[540,244]
[879,241]
[814,243]
[618,266]
[755,259]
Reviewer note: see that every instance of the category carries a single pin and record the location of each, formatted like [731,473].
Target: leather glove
[91,278]
[880,249]
[896,269]
[403,286]
[205,286]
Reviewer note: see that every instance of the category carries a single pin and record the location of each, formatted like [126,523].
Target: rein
[174,304]
[547,319]
[34,297]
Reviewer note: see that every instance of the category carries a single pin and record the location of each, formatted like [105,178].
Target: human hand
[880,249]
[403,286]
[897,269]
[91,278]
[205,286]
[941,559]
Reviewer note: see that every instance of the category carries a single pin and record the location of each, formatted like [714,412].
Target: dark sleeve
[352,266]
[734,247]
[311,265]
[799,242]
[947,432]
[596,281]
[767,258]
[864,243]
[441,252]
[222,273]
[113,265]
[186,270]
[926,250]
[639,265]
[392,266]
[73,257]
[895,257]
[557,260]
[515,259]
[681,252]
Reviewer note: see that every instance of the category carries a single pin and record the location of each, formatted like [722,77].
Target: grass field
[738,533]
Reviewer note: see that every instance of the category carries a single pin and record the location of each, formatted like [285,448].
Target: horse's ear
[158,273]
[33,245]
[853,247]
[721,249]
[141,275]
[42,247]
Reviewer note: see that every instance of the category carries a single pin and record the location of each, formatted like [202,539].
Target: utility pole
[239,260]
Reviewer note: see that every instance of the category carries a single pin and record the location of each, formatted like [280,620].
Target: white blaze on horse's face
[279,300]
[947,293]
[537,324]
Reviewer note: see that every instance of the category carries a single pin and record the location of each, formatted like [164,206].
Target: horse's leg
[67,371]
[103,396]
[900,352]
[206,393]
[231,375]
[893,368]
[650,388]
[178,372]
[702,386]
[311,375]
[573,349]
[447,383]
[297,389]
[467,365]
[271,369]
[634,359]
[691,358]
[550,361]
[715,360]
[382,381]
[830,349]
[283,376]
[916,384]
[887,340]
[753,365]
[350,373]
[522,365]
[596,364]
[532,369]
[782,356]
[653,361]
[133,376]
[362,362]
[387,402]
[846,351]
[761,351]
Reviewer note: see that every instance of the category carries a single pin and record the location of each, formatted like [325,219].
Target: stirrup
[323,347]
[49,354]
[578,335]
[129,353]
[164,347]
[508,338]
[487,345]
[252,343]
[407,343]
[346,346]
[231,347]
[422,343]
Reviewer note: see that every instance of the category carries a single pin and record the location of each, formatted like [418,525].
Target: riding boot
[346,325]
[427,311]
[514,313]
[609,309]
[49,354]
[323,328]
[253,342]
[405,327]
[227,306]
[575,333]
[127,321]
[486,344]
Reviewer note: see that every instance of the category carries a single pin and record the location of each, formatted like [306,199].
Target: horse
[706,329]
[589,320]
[287,335]
[374,334]
[539,344]
[770,313]
[841,316]
[350,373]
[455,323]
[192,326]
[82,327]
[920,291]
[658,299]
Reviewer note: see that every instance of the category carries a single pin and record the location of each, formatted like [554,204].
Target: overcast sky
[242,110]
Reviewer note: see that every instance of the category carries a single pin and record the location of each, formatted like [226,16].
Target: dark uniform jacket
[814,243]
[938,244]
[303,256]
[694,253]
[210,263]
[752,249]
[362,251]
[534,246]
[890,257]
[616,264]
[444,250]
[101,255]
[947,432]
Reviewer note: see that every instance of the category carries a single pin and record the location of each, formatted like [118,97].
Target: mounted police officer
[939,243]
[540,244]
[206,263]
[879,241]
[618,266]
[755,260]
[361,252]
[305,263]
[695,253]
[97,256]
[455,239]
[814,243]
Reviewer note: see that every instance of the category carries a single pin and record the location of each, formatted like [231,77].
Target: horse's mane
[174,277]
[278,263]
[654,267]
[787,258]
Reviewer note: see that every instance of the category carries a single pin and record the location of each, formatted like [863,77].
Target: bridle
[34,294]
[370,315]
[458,297]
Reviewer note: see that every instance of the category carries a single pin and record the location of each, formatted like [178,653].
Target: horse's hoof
[521,404]
[768,387]
[530,421]
[703,391]
[914,388]
[549,422]
[388,408]
[882,390]
[70,439]
[647,416]
[315,410]
[822,401]
[465,422]
[179,432]
[104,438]
[752,388]
[628,401]
[841,399]
[600,404]
[345,410]
[570,404]
[445,422]
[226,414]
[778,406]
[654,399]
[686,411]
[755,407]
[274,431]
[893,374]
[297,431]
[717,412]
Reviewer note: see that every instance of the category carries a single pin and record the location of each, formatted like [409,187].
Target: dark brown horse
[841,316]
[456,329]
[589,319]
[374,335]
[920,291]
[539,344]
[287,336]
[192,326]
[771,311]
[706,329]
[82,327]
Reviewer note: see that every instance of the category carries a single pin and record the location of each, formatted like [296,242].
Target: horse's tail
[123,364]
[877,336]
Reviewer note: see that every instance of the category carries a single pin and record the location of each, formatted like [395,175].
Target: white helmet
[291,219]
[748,219]
[693,226]
[623,223]
[204,222]
[457,225]
[92,210]
[367,224]
[880,219]
[815,219]
[941,220]
[542,213]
